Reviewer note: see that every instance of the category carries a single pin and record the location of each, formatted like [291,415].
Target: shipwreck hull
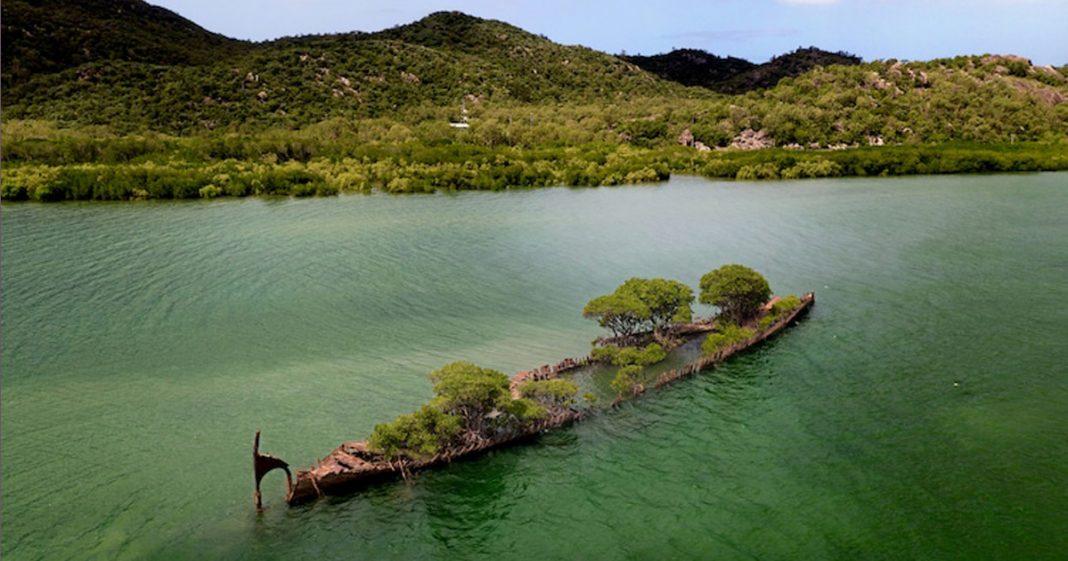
[344,471]
[349,467]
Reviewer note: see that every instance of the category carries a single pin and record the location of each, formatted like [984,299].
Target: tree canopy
[736,290]
[642,305]
[559,393]
[631,362]
[471,403]
[469,389]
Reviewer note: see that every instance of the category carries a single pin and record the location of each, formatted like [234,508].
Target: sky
[751,29]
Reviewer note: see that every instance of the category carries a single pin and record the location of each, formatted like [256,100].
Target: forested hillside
[137,97]
[695,67]
[45,36]
[437,62]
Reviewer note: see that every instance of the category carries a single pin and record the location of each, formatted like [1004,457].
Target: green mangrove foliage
[631,362]
[629,356]
[781,308]
[470,404]
[418,435]
[642,305]
[736,290]
[550,393]
[626,379]
[726,335]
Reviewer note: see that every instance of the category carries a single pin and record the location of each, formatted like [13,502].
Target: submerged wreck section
[354,464]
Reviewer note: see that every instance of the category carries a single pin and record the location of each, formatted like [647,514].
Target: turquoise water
[919,412]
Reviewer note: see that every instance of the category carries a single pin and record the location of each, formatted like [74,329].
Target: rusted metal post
[261,465]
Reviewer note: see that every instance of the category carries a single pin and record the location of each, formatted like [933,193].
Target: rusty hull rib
[344,469]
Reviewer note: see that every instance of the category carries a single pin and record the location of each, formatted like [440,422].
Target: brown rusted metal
[264,463]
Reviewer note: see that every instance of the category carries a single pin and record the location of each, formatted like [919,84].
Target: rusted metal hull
[342,471]
[348,467]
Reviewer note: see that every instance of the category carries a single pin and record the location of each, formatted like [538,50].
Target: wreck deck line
[343,470]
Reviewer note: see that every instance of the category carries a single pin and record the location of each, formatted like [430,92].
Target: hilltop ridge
[45,36]
[136,102]
[695,67]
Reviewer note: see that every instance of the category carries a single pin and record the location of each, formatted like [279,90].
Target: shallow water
[917,413]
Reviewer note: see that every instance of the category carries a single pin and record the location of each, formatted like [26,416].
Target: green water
[919,412]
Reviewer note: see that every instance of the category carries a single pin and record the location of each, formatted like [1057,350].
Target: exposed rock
[750,139]
[686,138]
[873,80]
[1004,59]
[793,146]
[876,141]
[1050,71]
[409,78]
[1046,95]
[262,95]
[344,81]
[701,146]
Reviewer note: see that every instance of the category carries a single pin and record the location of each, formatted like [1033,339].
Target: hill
[694,67]
[117,113]
[437,61]
[789,65]
[45,36]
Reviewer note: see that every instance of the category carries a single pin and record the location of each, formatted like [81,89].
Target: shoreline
[501,169]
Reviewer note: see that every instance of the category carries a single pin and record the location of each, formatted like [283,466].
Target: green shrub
[626,378]
[417,435]
[766,321]
[628,356]
[559,393]
[210,192]
[785,305]
[727,335]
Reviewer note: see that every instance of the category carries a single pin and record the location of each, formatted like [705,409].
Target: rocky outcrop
[1043,94]
[750,139]
[686,138]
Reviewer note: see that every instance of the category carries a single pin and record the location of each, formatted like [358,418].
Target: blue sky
[753,29]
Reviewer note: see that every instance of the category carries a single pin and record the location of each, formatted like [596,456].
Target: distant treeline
[124,169]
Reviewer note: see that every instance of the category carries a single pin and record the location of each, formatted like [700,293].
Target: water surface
[918,412]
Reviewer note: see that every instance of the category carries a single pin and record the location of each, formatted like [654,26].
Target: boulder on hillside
[750,139]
